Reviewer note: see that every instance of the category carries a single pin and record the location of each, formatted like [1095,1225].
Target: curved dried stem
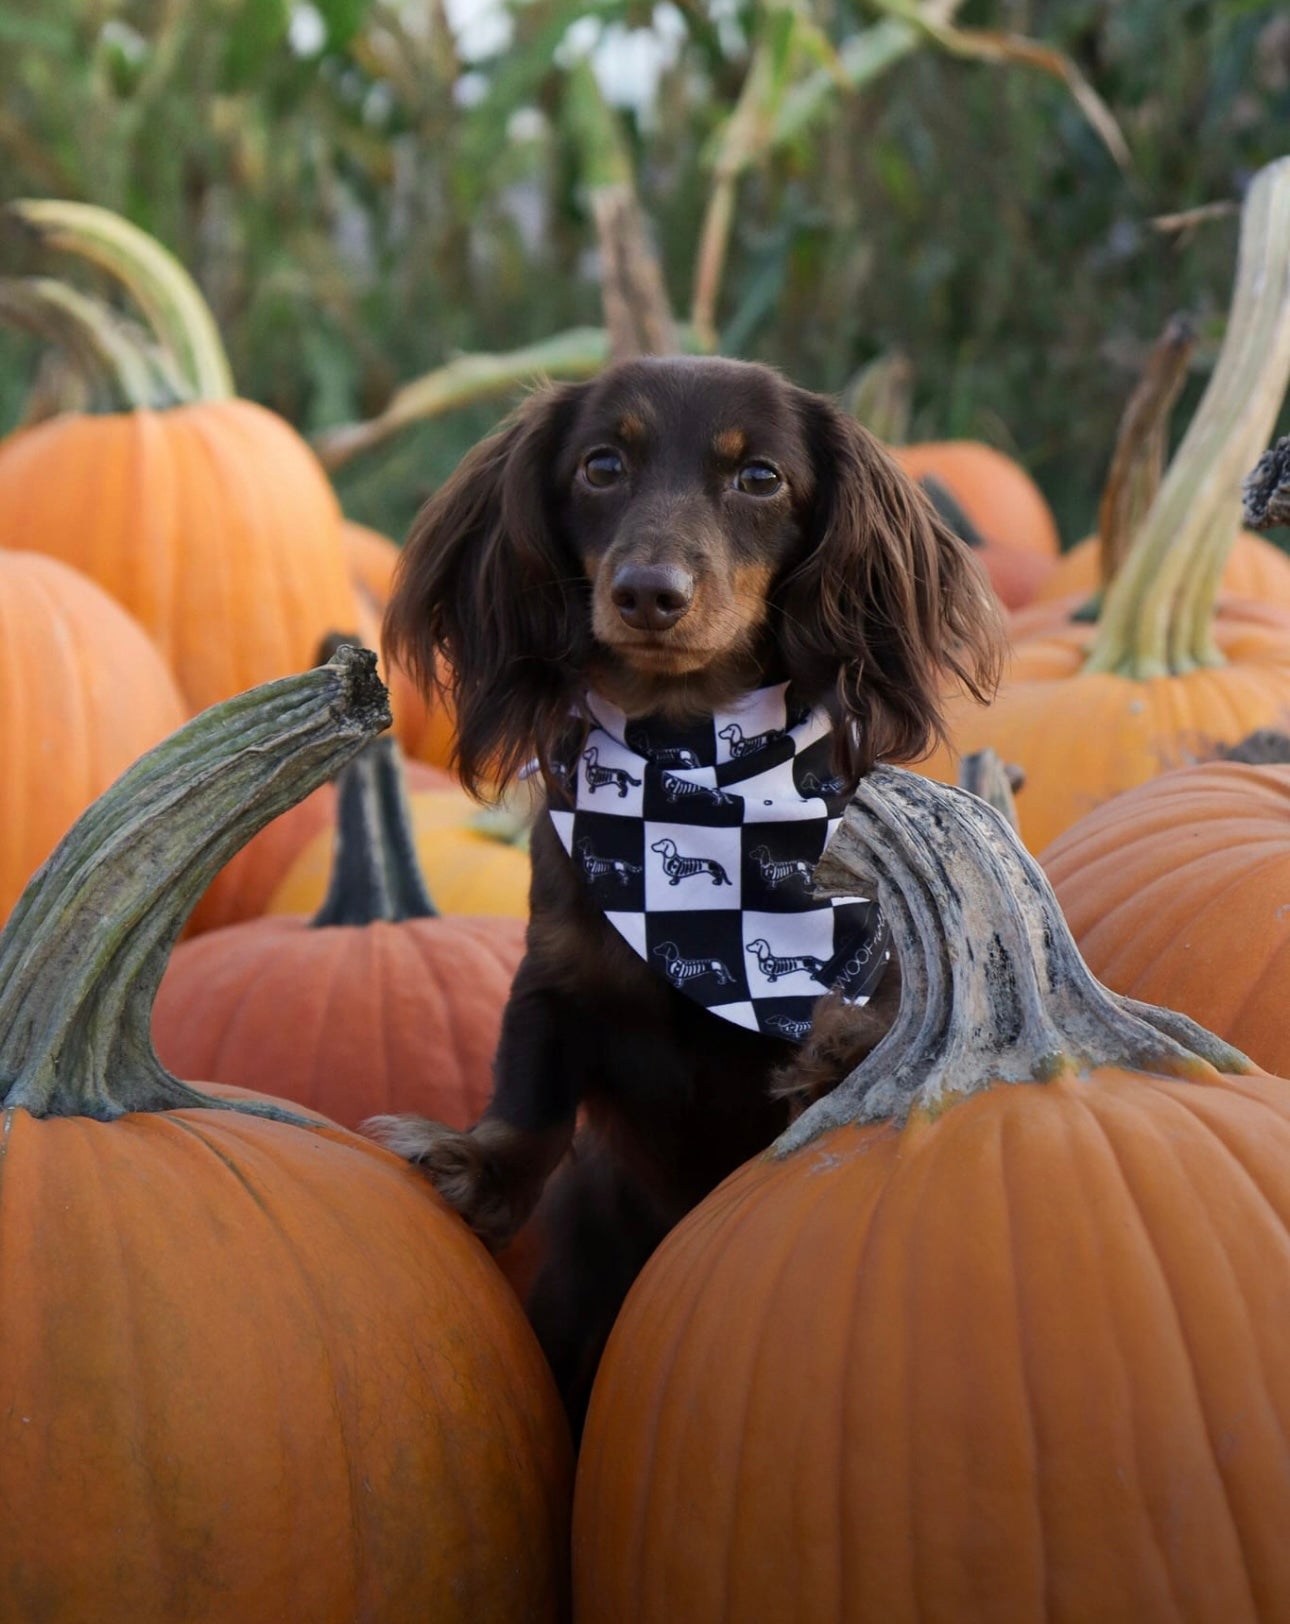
[993,989]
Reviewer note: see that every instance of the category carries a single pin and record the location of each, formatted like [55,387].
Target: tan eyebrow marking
[631,427]
[730,443]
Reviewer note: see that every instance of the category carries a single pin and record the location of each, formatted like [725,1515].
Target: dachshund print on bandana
[699,844]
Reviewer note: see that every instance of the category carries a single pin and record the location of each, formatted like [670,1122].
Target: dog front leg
[492,1174]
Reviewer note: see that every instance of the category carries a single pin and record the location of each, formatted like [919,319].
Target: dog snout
[652,597]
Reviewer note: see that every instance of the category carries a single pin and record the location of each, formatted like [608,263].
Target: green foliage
[359,205]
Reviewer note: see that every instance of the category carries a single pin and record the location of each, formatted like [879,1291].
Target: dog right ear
[489,608]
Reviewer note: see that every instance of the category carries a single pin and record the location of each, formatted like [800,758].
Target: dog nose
[652,597]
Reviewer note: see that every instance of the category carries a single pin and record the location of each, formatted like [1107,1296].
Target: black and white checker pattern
[699,845]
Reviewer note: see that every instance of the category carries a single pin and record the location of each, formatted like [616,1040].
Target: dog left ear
[888,599]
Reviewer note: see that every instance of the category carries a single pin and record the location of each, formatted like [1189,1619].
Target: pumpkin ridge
[1163,1147]
[1006,1131]
[775,1268]
[705,1265]
[321,1322]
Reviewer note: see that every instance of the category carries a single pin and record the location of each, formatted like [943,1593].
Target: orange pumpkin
[1000,1329]
[284,1379]
[212,523]
[467,870]
[377,1004]
[1002,502]
[84,691]
[1088,711]
[372,559]
[1176,893]
[210,520]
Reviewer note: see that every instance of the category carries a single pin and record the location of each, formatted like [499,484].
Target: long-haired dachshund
[669,537]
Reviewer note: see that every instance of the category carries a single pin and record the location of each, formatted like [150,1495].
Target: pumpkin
[998,496]
[1089,710]
[84,692]
[376,1004]
[208,518]
[468,870]
[252,1367]
[372,559]
[999,1329]
[1015,573]
[1176,893]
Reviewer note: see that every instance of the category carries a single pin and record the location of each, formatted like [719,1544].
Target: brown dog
[669,536]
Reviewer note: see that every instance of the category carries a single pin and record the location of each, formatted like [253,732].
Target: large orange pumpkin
[378,1004]
[83,691]
[999,1330]
[211,520]
[250,1367]
[1177,894]
[1087,711]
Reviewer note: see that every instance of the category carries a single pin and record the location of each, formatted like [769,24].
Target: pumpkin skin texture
[998,1329]
[212,523]
[1082,737]
[289,1382]
[997,494]
[971,1370]
[349,1020]
[1176,894]
[372,558]
[1016,574]
[85,691]
[1255,569]
[467,872]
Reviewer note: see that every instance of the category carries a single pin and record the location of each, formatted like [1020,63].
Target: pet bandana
[699,845]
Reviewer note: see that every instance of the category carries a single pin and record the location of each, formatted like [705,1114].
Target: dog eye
[603,468]
[758,479]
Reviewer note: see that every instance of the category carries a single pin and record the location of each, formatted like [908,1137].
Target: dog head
[670,534]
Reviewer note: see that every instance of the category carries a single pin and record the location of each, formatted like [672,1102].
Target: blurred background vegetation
[366,188]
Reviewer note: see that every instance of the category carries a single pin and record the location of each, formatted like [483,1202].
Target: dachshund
[670,535]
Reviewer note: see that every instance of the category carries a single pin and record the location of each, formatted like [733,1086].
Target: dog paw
[463,1171]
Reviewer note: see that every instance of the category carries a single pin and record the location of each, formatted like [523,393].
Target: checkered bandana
[699,844]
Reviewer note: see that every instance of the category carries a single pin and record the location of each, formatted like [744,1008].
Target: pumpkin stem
[993,989]
[1138,462]
[163,289]
[83,953]
[375,874]
[117,369]
[1157,614]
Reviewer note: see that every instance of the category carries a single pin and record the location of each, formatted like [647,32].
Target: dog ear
[888,599]
[489,609]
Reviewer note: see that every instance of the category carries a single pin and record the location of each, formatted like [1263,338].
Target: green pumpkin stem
[163,289]
[1157,616]
[375,873]
[115,366]
[993,989]
[83,953]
